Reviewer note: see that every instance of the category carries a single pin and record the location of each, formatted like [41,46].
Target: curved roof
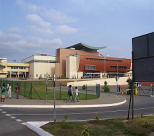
[82,46]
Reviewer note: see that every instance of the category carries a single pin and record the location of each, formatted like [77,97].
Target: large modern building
[76,61]
[83,61]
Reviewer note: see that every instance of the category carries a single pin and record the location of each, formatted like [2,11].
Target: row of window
[41,75]
[42,61]
[90,67]
[119,67]
[1,66]
[18,67]
[94,59]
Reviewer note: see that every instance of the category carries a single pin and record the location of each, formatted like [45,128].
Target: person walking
[9,91]
[3,90]
[17,88]
[70,93]
[76,94]
[119,88]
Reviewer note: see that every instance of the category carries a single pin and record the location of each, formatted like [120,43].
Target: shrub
[84,87]
[96,117]
[106,88]
[146,124]
[85,131]
[66,117]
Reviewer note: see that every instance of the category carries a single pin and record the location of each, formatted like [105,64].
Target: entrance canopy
[81,46]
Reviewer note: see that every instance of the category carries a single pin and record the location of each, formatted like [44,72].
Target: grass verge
[109,127]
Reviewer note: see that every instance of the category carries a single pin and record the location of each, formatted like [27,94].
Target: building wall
[41,69]
[71,66]
[61,58]
[3,59]
[101,65]
[110,81]
[14,67]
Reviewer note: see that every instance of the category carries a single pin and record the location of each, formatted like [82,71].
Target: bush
[106,88]
[66,117]
[96,117]
[85,131]
[84,87]
[146,124]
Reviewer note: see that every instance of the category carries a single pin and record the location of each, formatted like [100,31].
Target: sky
[30,27]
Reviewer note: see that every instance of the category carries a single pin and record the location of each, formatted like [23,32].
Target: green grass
[110,127]
[39,88]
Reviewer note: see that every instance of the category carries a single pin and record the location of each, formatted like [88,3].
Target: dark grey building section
[143,58]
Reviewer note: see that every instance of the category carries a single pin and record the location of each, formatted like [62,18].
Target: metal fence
[43,90]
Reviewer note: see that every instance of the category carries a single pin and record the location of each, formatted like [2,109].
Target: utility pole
[54,98]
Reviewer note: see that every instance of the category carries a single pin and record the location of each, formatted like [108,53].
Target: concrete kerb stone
[63,106]
[35,126]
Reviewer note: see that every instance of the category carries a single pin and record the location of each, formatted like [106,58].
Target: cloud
[57,16]
[64,29]
[14,30]
[29,7]
[12,44]
[38,21]
[44,29]
[40,32]
[9,37]
[50,13]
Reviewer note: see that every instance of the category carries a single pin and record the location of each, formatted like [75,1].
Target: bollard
[135,91]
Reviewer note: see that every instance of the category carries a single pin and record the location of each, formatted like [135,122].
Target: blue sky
[29,27]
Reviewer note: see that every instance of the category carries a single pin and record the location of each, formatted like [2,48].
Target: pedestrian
[76,94]
[17,88]
[69,93]
[119,88]
[3,90]
[9,91]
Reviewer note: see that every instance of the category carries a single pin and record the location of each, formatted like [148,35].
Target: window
[119,67]
[36,75]
[90,67]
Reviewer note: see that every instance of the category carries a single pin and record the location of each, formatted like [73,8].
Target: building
[41,65]
[76,61]
[14,70]
[83,61]
[3,59]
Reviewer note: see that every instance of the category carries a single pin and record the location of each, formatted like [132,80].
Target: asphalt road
[12,120]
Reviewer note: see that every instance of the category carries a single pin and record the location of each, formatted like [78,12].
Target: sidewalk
[106,99]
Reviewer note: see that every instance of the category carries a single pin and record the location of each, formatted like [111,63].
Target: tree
[129,81]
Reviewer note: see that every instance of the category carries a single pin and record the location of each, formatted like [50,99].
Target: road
[13,119]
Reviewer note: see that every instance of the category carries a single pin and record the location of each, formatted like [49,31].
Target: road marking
[13,117]
[7,114]
[24,123]
[80,113]
[3,112]
[18,120]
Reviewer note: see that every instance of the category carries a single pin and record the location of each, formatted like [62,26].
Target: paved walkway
[106,99]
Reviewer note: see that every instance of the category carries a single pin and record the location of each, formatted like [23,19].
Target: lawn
[109,127]
[37,90]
